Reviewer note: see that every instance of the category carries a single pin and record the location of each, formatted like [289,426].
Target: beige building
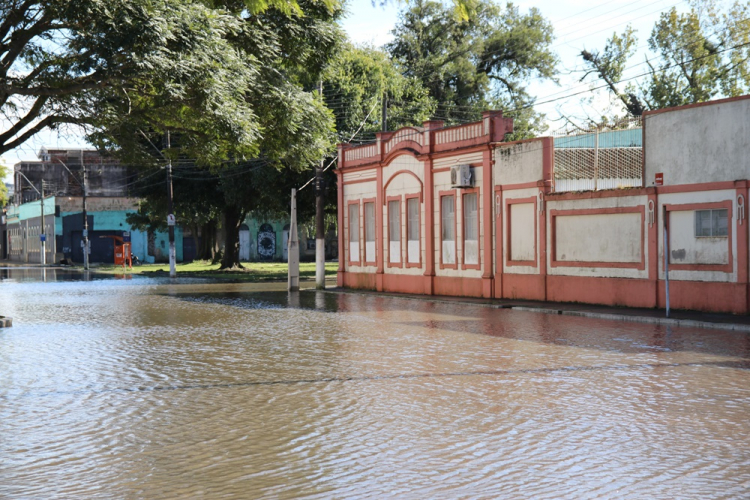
[457,211]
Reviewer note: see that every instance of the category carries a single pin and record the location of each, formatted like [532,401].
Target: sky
[578,24]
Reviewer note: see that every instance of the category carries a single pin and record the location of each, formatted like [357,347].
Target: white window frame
[354,232]
[370,247]
[714,229]
[394,231]
[448,225]
[471,228]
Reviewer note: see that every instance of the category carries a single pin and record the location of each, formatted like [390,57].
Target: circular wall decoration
[266,242]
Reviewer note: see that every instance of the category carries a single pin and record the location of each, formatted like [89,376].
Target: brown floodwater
[147,388]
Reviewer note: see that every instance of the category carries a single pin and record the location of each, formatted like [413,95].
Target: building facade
[413,221]
[59,175]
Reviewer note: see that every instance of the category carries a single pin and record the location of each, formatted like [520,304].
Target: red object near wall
[122,251]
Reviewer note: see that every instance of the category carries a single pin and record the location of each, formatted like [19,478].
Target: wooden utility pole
[42,236]
[320,236]
[85,220]
[385,112]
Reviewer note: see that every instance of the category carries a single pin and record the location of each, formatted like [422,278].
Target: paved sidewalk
[654,316]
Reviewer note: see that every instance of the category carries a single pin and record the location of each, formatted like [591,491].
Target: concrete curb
[562,312]
[5,322]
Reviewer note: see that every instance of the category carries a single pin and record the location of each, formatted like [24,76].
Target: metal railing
[608,157]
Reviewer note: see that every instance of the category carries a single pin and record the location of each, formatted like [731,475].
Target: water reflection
[149,388]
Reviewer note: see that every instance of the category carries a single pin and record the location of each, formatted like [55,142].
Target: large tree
[484,61]
[699,55]
[206,201]
[60,58]
[358,79]
[285,53]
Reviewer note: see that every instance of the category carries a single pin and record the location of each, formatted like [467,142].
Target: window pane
[711,223]
[412,206]
[470,217]
[394,220]
[703,223]
[448,215]
[369,222]
[354,223]
[719,223]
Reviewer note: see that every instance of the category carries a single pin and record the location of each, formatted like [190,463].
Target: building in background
[109,201]
[267,240]
[59,175]
[599,218]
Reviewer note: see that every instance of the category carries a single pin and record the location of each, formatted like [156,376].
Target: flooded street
[145,388]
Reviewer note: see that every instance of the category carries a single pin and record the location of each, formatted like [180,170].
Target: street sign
[85,233]
[126,236]
[659,179]
[42,237]
[170,220]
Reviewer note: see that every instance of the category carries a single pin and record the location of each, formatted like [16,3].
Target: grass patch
[254,271]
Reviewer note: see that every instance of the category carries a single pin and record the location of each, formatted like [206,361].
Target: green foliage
[701,54]
[470,65]
[193,67]
[4,170]
[355,83]
[245,123]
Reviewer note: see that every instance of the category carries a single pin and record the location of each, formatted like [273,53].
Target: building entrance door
[244,242]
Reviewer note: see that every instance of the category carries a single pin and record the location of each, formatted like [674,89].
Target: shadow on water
[437,317]
[308,300]
[570,331]
[604,334]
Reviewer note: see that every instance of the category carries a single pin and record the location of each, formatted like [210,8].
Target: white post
[320,236]
[666,260]
[293,248]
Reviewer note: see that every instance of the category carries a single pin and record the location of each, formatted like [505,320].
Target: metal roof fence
[602,158]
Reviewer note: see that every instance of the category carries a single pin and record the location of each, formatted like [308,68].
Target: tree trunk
[232,219]
[207,248]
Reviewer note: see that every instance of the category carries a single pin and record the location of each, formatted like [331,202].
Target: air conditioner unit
[461,176]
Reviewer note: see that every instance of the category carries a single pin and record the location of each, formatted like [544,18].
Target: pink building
[457,211]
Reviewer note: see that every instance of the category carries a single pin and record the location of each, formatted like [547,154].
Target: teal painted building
[63,230]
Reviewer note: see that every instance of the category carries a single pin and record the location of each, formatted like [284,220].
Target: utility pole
[42,236]
[85,220]
[85,233]
[320,236]
[384,112]
[293,248]
[170,216]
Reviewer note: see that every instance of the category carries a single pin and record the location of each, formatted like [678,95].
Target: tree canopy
[355,83]
[482,62]
[196,67]
[700,54]
[272,124]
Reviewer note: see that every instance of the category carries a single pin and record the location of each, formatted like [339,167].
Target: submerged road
[148,388]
